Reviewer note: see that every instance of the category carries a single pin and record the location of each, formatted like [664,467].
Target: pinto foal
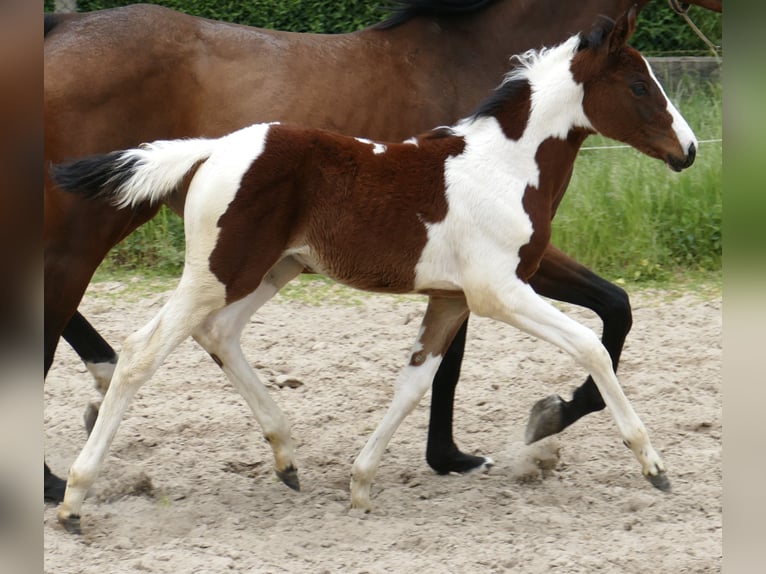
[460,213]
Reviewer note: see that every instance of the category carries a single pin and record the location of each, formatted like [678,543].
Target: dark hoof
[89,418]
[290,477]
[461,463]
[544,419]
[71,524]
[54,488]
[660,482]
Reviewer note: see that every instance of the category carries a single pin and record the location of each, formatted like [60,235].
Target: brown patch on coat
[513,118]
[541,202]
[361,215]
[443,318]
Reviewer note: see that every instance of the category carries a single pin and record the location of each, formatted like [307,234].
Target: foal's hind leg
[521,307]
[440,323]
[220,335]
[142,353]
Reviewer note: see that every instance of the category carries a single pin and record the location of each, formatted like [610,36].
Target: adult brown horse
[119,77]
[461,214]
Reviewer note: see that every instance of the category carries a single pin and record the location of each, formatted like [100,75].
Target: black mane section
[405,10]
[601,29]
[502,94]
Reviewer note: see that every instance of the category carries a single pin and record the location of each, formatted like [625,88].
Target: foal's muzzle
[680,164]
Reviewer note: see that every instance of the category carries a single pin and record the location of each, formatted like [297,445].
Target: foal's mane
[516,80]
[405,10]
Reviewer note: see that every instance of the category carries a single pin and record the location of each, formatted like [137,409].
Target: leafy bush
[661,31]
[320,16]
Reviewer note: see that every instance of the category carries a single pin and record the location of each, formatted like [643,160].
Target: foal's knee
[591,353]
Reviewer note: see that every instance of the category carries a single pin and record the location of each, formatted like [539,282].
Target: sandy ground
[188,484]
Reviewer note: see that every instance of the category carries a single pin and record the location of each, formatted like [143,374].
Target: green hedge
[320,16]
[662,31]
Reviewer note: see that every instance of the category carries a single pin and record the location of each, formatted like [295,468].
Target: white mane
[535,63]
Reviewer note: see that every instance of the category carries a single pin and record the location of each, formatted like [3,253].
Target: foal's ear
[623,30]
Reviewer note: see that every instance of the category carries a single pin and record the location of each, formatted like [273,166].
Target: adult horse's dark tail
[135,176]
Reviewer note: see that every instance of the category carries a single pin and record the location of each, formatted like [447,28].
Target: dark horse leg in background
[69,268]
[559,277]
[96,353]
[100,359]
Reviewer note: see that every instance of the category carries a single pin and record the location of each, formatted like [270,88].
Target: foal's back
[348,208]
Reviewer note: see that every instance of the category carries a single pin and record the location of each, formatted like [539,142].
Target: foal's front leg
[442,320]
[562,278]
[521,307]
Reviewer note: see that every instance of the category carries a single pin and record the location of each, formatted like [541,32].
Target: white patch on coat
[214,187]
[377,148]
[486,223]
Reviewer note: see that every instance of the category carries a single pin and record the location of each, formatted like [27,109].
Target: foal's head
[623,99]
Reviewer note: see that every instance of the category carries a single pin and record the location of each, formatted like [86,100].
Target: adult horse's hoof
[544,419]
[660,481]
[54,488]
[459,462]
[71,523]
[290,477]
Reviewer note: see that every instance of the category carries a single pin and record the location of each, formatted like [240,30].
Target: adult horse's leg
[442,454]
[99,358]
[562,278]
[53,486]
[78,235]
[63,292]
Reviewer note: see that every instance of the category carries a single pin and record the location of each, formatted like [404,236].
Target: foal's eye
[639,89]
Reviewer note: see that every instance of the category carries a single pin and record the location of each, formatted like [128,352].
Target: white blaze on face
[683,132]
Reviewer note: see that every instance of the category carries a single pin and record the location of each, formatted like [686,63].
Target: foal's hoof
[659,481]
[71,523]
[544,419]
[290,477]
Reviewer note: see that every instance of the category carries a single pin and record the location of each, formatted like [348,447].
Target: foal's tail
[131,177]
